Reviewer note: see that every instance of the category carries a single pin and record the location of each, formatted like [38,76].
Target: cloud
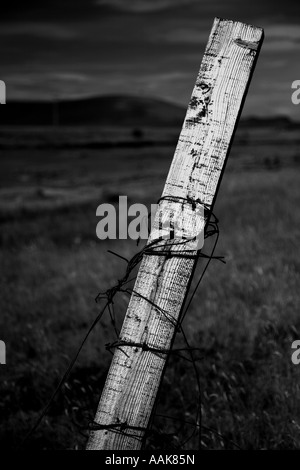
[281,37]
[280,46]
[275,63]
[47,85]
[41,30]
[144,6]
[283,31]
[184,36]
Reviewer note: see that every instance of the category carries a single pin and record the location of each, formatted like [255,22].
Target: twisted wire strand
[157,247]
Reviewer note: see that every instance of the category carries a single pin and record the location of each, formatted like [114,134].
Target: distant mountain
[131,111]
[105,110]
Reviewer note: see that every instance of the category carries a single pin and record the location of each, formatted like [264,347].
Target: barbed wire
[157,247]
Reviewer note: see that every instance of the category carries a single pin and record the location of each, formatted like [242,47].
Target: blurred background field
[244,318]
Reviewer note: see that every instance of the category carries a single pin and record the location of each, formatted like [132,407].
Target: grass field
[244,318]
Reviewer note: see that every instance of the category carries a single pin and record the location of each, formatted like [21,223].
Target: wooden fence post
[163,281]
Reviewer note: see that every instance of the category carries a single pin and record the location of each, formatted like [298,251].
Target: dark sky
[75,48]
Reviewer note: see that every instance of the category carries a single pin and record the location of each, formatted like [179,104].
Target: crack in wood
[253,45]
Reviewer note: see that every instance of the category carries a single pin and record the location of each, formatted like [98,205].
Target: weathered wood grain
[204,142]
